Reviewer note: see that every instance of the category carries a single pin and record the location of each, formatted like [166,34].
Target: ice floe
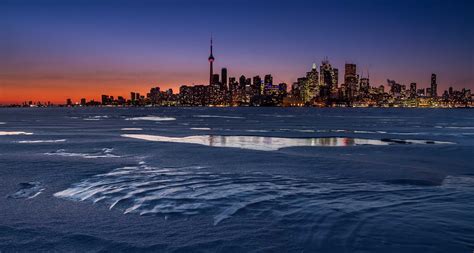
[400,141]
[257,131]
[264,143]
[298,130]
[278,115]
[218,116]
[257,142]
[369,132]
[104,153]
[152,118]
[41,141]
[14,133]
[96,118]
[460,127]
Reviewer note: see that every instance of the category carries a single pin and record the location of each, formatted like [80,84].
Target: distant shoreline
[229,107]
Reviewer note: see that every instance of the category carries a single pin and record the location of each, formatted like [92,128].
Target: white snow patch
[14,133]
[41,141]
[152,118]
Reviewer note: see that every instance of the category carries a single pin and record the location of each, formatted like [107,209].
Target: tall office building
[328,78]
[434,86]
[258,85]
[224,77]
[215,79]
[232,83]
[248,82]
[242,82]
[326,74]
[364,85]
[350,79]
[350,73]
[395,88]
[211,65]
[335,77]
[310,87]
[412,90]
[268,80]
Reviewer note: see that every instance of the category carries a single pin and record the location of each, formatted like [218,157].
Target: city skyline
[116,60]
[318,88]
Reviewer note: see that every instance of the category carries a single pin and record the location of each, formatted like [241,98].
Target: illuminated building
[350,79]
[412,90]
[364,86]
[309,86]
[328,78]
[258,85]
[434,86]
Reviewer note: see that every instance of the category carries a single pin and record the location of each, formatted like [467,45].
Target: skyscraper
[267,84]
[242,80]
[350,79]
[310,87]
[364,85]
[350,73]
[412,90]
[328,78]
[268,80]
[232,83]
[224,77]
[215,80]
[211,65]
[335,77]
[434,86]
[257,84]
[395,88]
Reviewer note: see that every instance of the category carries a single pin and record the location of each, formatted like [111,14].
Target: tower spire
[211,65]
[211,45]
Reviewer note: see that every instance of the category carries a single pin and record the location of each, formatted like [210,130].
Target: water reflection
[259,142]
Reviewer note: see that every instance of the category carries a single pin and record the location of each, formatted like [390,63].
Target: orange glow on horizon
[57,91]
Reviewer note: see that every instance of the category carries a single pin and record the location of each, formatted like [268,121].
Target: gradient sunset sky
[53,50]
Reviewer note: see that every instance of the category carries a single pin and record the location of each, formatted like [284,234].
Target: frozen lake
[236,180]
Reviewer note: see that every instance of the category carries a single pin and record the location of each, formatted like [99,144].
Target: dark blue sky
[100,46]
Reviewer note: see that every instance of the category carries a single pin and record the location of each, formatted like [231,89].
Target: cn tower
[211,65]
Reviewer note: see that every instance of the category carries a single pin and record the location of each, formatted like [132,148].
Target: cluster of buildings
[319,87]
